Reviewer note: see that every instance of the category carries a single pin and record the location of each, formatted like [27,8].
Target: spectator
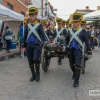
[21,35]
[99,38]
[8,38]
[93,35]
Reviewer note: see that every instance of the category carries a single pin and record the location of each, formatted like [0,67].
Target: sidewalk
[4,54]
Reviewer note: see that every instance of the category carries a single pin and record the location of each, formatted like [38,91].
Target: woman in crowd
[8,38]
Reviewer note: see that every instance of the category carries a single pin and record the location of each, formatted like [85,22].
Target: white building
[45,9]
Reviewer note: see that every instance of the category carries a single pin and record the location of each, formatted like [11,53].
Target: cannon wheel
[83,61]
[83,66]
[44,61]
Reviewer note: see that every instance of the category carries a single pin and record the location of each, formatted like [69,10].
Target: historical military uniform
[48,32]
[83,25]
[75,40]
[26,20]
[67,24]
[63,23]
[43,23]
[34,38]
[58,32]
[83,22]
[70,25]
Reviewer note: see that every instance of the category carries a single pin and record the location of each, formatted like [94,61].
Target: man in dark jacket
[92,35]
[75,39]
[49,34]
[34,37]
[59,32]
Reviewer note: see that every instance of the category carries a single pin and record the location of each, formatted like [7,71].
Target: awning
[92,16]
[7,14]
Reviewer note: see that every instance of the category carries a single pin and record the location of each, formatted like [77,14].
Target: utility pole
[42,7]
[45,9]
[0,1]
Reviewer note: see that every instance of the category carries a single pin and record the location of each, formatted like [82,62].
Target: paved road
[56,84]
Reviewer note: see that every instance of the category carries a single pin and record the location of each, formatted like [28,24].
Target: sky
[67,7]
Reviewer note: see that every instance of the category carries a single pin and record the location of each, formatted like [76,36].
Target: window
[10,6]
[22,13]
[0,1]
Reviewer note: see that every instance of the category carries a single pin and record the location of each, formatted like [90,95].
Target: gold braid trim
[34,23]
[78,68]
[37,65]
[31,65]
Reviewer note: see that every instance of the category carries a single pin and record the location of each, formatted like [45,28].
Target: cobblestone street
[56,84]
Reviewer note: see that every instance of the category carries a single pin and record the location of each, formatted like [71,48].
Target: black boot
[77,76]
[73,70]
[37,73]
[33,73]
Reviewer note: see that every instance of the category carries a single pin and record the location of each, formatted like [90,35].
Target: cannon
[56,49]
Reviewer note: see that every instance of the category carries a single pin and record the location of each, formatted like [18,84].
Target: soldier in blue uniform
[70,25]
[48,32]
[63,23]
[67,25]
[57,33]
[75,39]
[34,37]
[43,23]
[83,25]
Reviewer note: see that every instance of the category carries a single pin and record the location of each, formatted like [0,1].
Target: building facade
[38,4]
[19,6]
[45,8]
[98,7]
[84,11]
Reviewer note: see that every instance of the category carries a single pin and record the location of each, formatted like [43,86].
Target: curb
[9,55]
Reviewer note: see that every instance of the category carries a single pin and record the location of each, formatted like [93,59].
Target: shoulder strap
[61,31]
[46,35]
[33,30]
[74,35]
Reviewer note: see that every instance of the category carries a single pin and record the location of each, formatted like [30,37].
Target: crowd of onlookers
[6,39]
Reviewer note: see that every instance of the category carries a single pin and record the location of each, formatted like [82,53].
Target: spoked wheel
[83,66]
[45,61]
[46,64]
[83,60]
[83,69]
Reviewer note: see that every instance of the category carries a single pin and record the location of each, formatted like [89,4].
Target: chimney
[87,7]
